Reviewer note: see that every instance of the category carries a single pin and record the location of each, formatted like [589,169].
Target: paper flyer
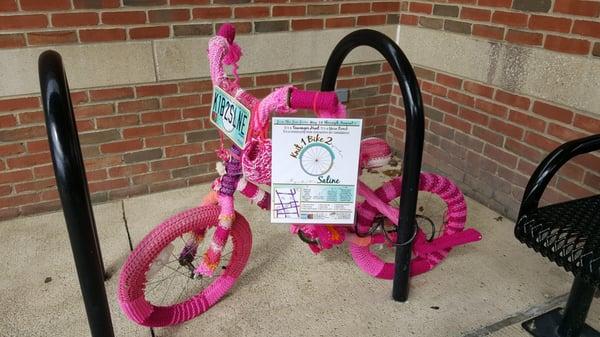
[314,170]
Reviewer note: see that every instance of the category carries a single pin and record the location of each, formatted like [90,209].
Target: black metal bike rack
[73,190]
[413,148]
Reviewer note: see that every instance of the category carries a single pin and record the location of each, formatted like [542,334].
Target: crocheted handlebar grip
[313,100]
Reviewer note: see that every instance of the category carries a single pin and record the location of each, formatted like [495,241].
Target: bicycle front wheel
[157,287]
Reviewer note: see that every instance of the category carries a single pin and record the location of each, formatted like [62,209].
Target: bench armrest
[550,165]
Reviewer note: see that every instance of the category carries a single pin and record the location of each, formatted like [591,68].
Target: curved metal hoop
[415,130]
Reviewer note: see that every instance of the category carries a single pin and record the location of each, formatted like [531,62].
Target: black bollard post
[73,190]
[413,149]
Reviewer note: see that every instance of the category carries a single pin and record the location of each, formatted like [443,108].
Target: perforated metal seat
[568,234]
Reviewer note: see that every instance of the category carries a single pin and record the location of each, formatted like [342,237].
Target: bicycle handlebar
[314,100]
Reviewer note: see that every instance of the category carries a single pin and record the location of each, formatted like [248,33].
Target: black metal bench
[568,234]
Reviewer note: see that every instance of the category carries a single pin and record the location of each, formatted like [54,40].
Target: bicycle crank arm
[449,241]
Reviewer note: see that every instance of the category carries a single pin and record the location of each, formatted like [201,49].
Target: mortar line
[520,316]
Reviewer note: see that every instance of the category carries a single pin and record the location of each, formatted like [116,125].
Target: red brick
[457,123]
[11,149]
[272,79]
[251,12]
[8,120]
[567,45]
[434,88]
[406,19]
[183,126]
[445,105]
[418,7]
[143,131]
[155,32]
[512,99]
[587,123]
[117,121]
[189,2]
[353,8]
[540,141]
[96,4]
[521,37]
[203,86]
[35,185]
[578,7]
[38,146]
[506,128]
[180,150]
[165,140]
[306,24]
[289,10]
[74,19]
[19,200]
[591,180]
[12,40]
[28,160]
[15,176]
[29,117]
[161,116]
[94,110]
[368,20]
[572,189]
[156,90]
[211,13]
[122,146]
[107,185]
[493,108]
[495,3]
[313,10]
[510,18]
[45,5]
[54,37]
[489,32]
[180,101]
[541,22]
[461,98]
[124,18]
[138,105]
[127,171]
[527,121]
[26,133]
[502,157]
[475,14]
[111,94]
[8,5]
[449,81]
[553,112]
[151,177]
[587,28]
[478,89]
[339,22]
[523,150]
[564,133]
[101,35]
[473,116]
[23,21]
[169,15]
[392,6]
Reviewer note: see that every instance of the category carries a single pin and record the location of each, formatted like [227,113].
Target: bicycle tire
[133,273]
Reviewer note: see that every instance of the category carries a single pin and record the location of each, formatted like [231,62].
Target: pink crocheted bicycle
[174,275]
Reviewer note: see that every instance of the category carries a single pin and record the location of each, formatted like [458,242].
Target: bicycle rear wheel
[157,286]
[449,222]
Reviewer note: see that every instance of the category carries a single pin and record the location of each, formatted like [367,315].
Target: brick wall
[149,137]
[566,26]
[489,138]
[145,137]
[36,22]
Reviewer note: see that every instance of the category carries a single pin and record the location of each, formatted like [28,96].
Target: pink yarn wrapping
[275,101]
[256,160]
[253,192]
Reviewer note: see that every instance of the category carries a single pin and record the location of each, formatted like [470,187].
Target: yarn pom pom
[227,31]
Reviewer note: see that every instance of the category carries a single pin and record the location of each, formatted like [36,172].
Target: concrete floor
[482,289]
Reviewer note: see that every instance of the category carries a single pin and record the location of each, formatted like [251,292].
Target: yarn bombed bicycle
[198,272]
